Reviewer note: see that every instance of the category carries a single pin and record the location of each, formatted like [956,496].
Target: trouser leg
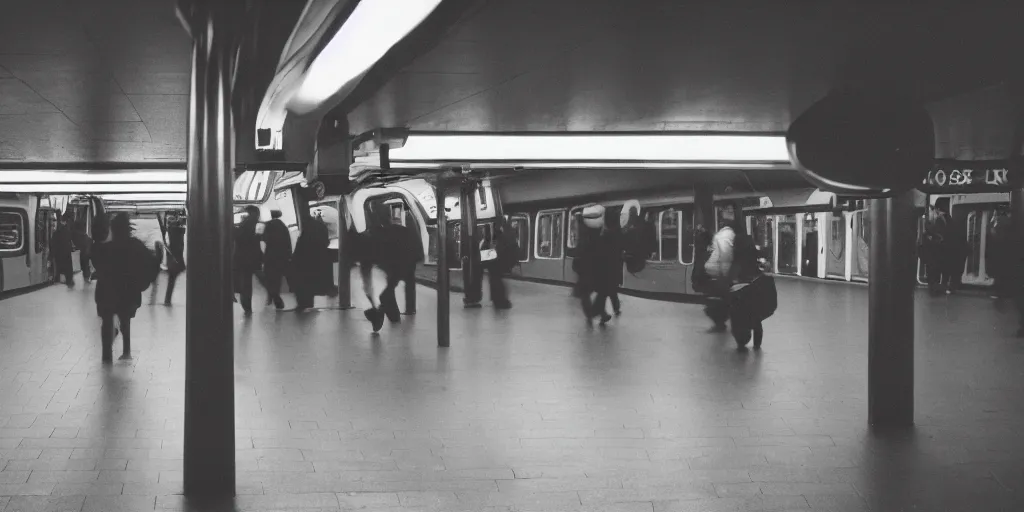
[107,337]
[758,334]
[388,302]
[410,292]
[616,305]
[126,334]
[246,291]
[172,277]
[83,258]
[499,293]
[599,302]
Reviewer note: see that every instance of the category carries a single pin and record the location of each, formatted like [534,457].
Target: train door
[810,247]
[788,254]
[860,225]
[762,228]
[835,245]
[15,249]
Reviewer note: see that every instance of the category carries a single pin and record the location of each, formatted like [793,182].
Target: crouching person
[752,297]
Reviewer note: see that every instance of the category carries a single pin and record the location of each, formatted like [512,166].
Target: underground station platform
[529,409]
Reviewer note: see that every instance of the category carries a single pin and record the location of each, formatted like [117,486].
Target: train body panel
[27,222]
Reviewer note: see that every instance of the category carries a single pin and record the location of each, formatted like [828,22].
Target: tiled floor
[528,410]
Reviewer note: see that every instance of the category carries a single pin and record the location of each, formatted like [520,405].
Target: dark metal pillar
[891,312]
[470,242]
[209,465]
[344,260]
[443,333]
[333,158]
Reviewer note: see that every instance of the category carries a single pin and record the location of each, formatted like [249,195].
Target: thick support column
[333,158]
[470,242]
[209,466]
[891,312]
[443,333]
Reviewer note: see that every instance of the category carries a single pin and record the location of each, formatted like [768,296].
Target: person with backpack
[126,268]
[61,247]
[752,296]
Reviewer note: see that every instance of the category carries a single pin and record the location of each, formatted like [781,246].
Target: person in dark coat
[495,269]
[61,246]
[176,255]
[125,269]
[309,261]
[752,296]
[395,250]
[84,243]
[599,267]
[934,250]
[277,256]
[248,256]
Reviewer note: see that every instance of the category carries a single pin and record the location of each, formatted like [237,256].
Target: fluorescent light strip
[162,198]
[141,176]
[369,32]
[550,148]
[602,165]
[92,188]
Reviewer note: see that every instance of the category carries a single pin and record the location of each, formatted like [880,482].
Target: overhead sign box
[959,176]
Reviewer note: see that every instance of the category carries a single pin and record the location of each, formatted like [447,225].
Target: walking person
[81,239]
[598,264]
[248,256]
[718,267]
[126,268]
[310,270]
[395,250]
[175,253]
[933,250]
[61,247]
[277,257]
[496,257]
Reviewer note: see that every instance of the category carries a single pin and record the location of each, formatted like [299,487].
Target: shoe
[471,305]
[502,305]
[618,312]
[376,318]
[410,313]
[125,357]
[247,312]
[605,318]
[279,304]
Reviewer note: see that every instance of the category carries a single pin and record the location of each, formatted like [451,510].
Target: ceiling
[580,65]
[103,80]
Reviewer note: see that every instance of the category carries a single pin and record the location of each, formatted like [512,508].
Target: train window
[432,245]
[12,231]
[549,235]
[668,235]
[521,225]
[686,227]
[575,221]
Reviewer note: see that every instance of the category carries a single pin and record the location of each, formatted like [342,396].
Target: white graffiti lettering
[997,177]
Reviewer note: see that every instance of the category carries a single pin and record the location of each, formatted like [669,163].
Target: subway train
[27,222]
[811,234]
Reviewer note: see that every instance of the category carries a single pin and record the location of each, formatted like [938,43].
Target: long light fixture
[146,198]
[372,29]
[92,188]
[591,150]
[739,165]
[55,177]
